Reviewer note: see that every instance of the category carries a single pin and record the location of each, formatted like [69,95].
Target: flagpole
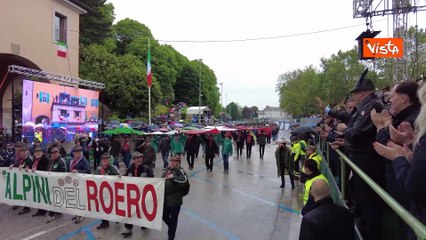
[149,104]
[149,94]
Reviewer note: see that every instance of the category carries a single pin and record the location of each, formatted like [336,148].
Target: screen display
[56,111]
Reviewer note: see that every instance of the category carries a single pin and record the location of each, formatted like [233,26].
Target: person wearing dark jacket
[8,155]
[78,164]
[149,154]
[23,160]
[40,163]
[212,150]
[191,150]
[56,164]
[410,167]
[359,136]
[261,141]
[106,169]
[173,197]
[249,143]
[404,107]
[136,169]
[164,148]
[317,223]
[282,157]
[115,149]
[239,142]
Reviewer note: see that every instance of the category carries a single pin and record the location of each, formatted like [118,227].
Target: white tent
[196,110]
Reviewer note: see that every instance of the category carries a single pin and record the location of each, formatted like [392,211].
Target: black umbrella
[302,130]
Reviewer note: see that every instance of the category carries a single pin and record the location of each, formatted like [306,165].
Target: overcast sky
[249,69]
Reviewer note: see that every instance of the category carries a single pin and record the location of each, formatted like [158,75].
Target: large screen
[57,111]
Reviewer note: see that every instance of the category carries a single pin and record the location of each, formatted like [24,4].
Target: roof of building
[196,109]
[268,108]
[77,4]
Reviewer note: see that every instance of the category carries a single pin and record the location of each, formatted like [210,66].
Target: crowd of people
[384,135]
[135,156]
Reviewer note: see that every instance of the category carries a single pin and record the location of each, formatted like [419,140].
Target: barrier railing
[418,228]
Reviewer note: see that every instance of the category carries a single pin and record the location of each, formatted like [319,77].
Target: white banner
[133,200]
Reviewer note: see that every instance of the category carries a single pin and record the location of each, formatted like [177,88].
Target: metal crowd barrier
[412,222]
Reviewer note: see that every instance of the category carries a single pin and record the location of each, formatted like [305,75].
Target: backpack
[186,186]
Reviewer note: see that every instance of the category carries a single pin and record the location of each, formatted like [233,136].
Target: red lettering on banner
[146,189]
[119,199]
[133,201]
[106,209]
[92,196]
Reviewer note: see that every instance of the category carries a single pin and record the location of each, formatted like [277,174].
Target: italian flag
[62,49]
[148,68]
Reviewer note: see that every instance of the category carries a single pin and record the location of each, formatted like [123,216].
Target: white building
[274,113]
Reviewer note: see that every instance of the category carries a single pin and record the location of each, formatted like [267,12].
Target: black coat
[211,148]
[42,163]
[328,221]
[142,171]
[361,132]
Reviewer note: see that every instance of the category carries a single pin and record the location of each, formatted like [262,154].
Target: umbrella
[303,129]
[124,125]
[190,128]
[39,125]
[157,133]
[123,130]
[29,124]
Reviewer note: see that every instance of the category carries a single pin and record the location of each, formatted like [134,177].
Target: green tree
[126,31]
[247,113]
[96,24]
[255,109]
[234,111]
[297,91]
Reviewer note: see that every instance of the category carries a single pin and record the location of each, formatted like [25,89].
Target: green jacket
[227,147]
[173,186]
[179,145]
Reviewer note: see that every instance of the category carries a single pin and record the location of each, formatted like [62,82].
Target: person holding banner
[106,169]
[78,164]
[176,179]
[56,164]
[40,163]
[136,169]
[23,160]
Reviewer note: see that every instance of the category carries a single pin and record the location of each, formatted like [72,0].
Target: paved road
[245,204]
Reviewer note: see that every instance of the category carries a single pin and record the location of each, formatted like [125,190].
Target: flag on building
[148,68]
[62,49]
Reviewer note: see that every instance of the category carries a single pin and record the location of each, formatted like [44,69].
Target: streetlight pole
[221,102]
[199,95]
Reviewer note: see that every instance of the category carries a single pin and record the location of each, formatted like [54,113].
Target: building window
[83,101]
[64,113]
[60,28]
[77,114]
[94,103]
[44,97]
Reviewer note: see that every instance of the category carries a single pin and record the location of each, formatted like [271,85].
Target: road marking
[257,175]
[217,228]
[280,205]
[85,229]
[45,231]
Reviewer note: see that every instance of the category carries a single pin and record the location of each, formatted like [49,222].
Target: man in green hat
[56,164]
[106,169]
[137,169]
